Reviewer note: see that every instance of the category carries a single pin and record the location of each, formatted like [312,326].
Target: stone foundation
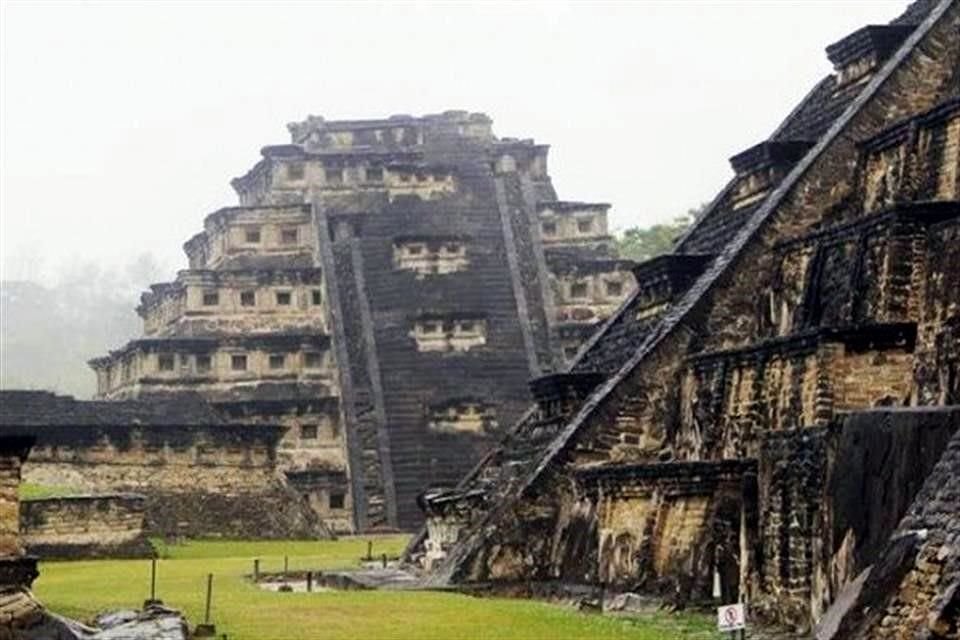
[92,526]
[198,481]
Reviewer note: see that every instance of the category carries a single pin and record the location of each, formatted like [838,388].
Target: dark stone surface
[923,556]
[883,459]
[46,409]
[275,512]
[18,571]
[69,522]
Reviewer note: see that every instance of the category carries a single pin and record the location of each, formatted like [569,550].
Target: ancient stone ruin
[768,414]
[22,616]
[194,474]
[756,421]
[17,569]
[383,291]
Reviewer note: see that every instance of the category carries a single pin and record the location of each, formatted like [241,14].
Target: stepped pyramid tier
[758,415]
[588,281]
[384,290]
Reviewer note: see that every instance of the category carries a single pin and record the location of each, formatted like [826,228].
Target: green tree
[643,243]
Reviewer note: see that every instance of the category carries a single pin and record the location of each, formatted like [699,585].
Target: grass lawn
[245,612]
[31,491]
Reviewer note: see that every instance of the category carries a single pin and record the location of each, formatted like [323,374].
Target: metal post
[152,600]
[309,581]
[206,615]
[286,565]
[369,550]
[153,579]
[207,629]
[256,569]
[384,560]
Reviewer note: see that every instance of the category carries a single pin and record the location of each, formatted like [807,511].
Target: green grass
[82,589]
[31,491]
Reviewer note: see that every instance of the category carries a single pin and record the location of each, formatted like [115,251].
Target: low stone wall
[274,512]
[200,481]
[86,526]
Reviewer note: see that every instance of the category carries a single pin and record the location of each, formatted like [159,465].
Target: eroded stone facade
[804,328]
[200,475]
[587,281]
[384,290]
[17,571]
[86,526]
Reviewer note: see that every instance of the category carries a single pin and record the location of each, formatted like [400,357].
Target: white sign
[731,617]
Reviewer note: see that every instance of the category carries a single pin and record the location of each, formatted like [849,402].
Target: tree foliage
[48,332]
[643,243]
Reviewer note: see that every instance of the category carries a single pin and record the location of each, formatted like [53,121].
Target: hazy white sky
[123,123]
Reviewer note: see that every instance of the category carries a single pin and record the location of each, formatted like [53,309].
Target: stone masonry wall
[727,310]
[91,526]
[17,571]
[937,373]
[671,528]
[216,481]
[726,317]
[9,509]
[830,497]
[913,589]
[792,511]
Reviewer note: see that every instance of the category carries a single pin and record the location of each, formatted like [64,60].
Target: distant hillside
[48,334]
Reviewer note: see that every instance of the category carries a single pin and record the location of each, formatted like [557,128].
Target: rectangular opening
[165,362]
[248,298]
[316,297]
[295,171]
[337,500]
[308,432]
[431,257]
[614,287]
[452,334]
[277,361]
[312,360]
[252,235]
[585,226]
[288,236]
[238,362]
[470,416]
[211,298]
[578,290]
[374,174]
[549,228]
[283,298]
[334,176]
[203,364]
